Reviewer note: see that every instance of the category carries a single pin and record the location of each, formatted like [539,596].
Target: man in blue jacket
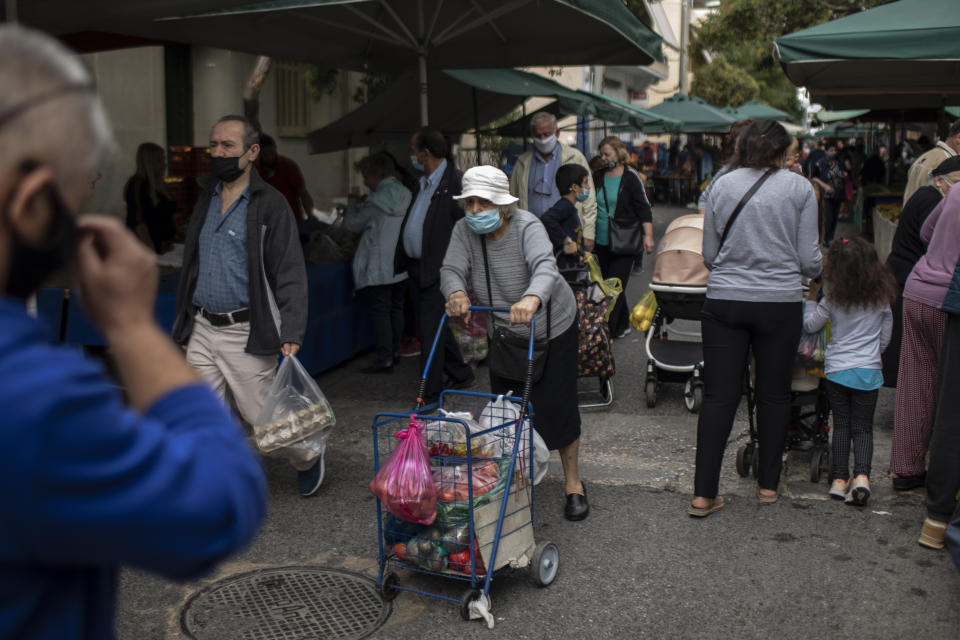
[164,482]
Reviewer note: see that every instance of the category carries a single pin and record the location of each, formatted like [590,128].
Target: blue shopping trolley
[481,457]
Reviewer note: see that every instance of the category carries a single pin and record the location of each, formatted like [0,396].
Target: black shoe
[379,367]
[451,383]
[905,483]
[577,506]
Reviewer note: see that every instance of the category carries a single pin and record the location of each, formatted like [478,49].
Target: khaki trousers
[217,355]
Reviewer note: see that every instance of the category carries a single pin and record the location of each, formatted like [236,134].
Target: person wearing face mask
[533,180]
[924,322]
[503,254]
[283,174]
[561,220]
[242,295]
[920,169]
[156,477]
[621,196]
[424,236]
[906,249]
[829,178]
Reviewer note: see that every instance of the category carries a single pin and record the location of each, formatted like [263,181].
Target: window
[293,103]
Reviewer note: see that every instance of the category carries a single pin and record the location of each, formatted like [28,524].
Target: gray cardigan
[378,218]
[521,263]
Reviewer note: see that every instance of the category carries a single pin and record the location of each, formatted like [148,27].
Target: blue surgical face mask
[484,222]
[416,163]
[582,197]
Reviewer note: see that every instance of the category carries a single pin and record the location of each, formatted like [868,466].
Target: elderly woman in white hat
[504,254]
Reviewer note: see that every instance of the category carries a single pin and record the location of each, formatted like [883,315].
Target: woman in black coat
[620,196]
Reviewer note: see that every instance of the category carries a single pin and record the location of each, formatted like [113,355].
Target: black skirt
[556,416]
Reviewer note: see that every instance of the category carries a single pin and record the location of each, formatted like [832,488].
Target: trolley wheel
[819,462]
[545,564]
[755,459]
[470,595]
[388,586]
[743,462]
[692,395]
[651,391]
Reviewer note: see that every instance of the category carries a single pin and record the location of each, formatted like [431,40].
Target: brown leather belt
[225,319]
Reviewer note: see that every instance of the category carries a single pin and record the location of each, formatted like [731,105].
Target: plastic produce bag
[610,286]
[404,485]
[471,336]
[295,413]
[642,315]
[812,349]
[500,411]
[450,439]
[453,482]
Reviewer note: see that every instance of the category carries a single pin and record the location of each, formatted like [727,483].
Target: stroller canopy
[679,259]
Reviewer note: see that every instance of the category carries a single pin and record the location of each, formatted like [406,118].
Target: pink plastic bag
[404,485]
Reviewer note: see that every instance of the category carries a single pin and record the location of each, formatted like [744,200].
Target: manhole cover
[288,603]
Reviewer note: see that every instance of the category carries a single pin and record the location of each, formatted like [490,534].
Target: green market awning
[696,115]
[827,117]
[634,116]
[902,55]
[760,111]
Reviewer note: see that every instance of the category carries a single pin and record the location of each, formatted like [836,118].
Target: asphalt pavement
[639,566]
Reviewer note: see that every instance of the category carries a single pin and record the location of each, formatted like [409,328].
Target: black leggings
[943,472]
[732,331]
[616,266]
[852,419]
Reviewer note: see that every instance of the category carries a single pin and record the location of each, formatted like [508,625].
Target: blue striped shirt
[222,281]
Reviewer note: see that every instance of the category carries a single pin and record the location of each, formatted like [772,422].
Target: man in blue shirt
[242,295]
[424,236]
[164,482]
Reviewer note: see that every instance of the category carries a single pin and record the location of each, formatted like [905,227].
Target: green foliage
[741,32]
[721,83]
[372,84]
[322,81]
[495,143]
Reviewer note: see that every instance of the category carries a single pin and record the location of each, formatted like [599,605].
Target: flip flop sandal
[765,499]
[702,512]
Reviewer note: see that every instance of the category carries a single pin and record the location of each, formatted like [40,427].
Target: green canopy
[760,111]
[731,111]
[845,130]
[900,55]
[637,117]
[696,115]
[837,116]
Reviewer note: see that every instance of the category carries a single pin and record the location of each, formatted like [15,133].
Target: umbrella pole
[11,7]
[476,124]
[424,116]
[524,119]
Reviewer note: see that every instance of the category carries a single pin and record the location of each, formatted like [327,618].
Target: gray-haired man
[533,178]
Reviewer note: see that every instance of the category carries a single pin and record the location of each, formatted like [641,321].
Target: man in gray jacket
[242,296]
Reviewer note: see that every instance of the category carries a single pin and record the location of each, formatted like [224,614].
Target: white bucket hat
[488,183]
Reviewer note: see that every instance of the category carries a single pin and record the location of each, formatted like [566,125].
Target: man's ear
[254,152]
[29,211]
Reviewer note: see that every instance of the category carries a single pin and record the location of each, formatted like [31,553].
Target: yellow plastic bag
[642,315]
[611,287]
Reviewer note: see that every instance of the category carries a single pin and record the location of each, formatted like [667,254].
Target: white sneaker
[838,489]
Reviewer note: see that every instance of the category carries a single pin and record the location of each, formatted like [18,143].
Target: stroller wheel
[651,391]
[692,395]
[743,462]
[819,462]
[755,460]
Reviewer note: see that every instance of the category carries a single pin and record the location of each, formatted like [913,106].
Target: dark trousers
[831,213]
[447,359]
[385,303]
[943,472]
[732,331]
[614,266]
[891,355]
[852,419]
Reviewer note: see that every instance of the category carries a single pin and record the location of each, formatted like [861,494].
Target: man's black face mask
[32,264]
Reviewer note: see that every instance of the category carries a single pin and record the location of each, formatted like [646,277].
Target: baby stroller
[809,427]
[595,346]
[680,283]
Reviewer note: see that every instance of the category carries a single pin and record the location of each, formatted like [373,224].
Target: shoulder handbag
[746,197]
[626,238]
[507,353]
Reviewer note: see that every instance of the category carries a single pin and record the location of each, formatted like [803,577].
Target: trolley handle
[527,383]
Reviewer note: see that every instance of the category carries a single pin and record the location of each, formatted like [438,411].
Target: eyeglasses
[17,110]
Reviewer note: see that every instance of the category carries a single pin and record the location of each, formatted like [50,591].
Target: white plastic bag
[499,411]
[453,434]
[295,413]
